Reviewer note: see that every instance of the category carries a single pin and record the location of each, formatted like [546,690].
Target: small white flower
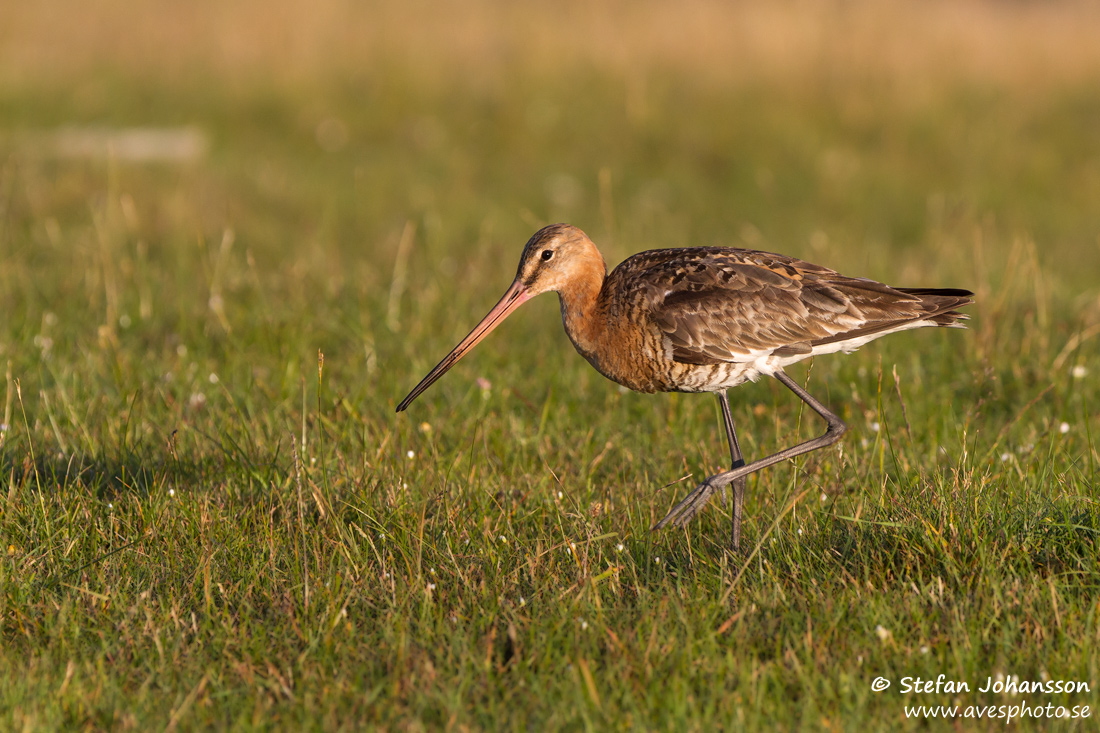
[522,601]
[924,650]
[431,571]
[410,454]
[1005,457]
[110,505]
[213,378]
[824,498]
[560,495]
[4,427]
[584,625]
[657,560]
[882,632]
[1063,428]
[619,547]
[875,427]
[1079,371]
[431,587]
[800,530]
[503,538]
[171,492]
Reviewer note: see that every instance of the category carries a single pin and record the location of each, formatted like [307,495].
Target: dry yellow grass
[293,41]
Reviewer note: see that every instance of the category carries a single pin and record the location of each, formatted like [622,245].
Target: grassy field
[205,524]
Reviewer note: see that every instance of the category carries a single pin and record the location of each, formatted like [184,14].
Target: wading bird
[705,319]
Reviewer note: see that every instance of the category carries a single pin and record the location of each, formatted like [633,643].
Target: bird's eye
[547,254]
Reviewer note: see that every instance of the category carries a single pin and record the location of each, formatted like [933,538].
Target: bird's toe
[690,505]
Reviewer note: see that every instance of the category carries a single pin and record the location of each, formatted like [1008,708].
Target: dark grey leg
[736,461]
[693,503]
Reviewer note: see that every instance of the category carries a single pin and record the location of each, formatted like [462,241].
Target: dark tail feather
[943,302]
[947,292]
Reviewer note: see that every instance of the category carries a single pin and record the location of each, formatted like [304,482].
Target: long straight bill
[516,296]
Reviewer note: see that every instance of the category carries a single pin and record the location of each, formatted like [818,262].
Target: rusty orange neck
[580,304]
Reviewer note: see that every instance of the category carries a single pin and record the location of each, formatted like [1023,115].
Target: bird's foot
[693,503]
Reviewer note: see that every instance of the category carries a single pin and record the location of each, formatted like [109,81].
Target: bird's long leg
[736,461]
[693,503]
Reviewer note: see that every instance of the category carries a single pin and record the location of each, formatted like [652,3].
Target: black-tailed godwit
[706,319]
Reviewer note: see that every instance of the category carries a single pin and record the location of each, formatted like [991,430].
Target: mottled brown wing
[732,305]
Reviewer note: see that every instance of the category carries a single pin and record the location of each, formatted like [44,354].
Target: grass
[204,524]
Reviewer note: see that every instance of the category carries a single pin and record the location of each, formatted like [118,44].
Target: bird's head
[554,257]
